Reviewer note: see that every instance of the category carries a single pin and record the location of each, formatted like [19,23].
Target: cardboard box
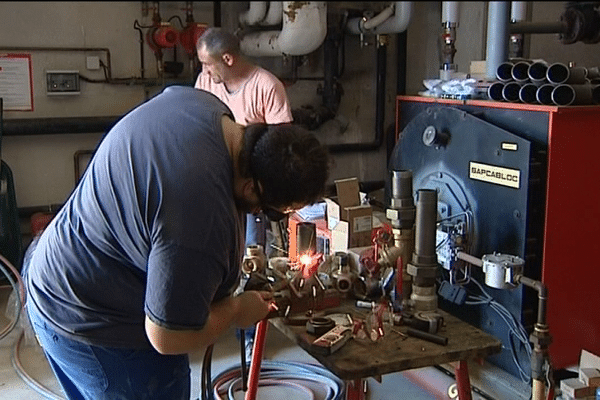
[590,376]
[350,223]
[360,225]
[576,389]
[348,194]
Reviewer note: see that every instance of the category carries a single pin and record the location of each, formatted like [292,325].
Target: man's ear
[248,188]
[227,59]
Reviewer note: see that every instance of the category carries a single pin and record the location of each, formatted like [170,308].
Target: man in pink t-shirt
[253,94]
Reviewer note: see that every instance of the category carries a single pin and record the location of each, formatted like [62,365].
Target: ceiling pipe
[497,37]
[538,27]
[518,13]
[379,18]
[396,23]
[304,30]
[255,13]
[274,15]
[450,20]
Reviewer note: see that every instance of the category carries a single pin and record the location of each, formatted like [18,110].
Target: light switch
[92,63]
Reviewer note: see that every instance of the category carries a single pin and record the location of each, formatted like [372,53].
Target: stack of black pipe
[537,82]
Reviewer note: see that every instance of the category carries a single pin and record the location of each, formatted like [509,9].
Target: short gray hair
[219,42]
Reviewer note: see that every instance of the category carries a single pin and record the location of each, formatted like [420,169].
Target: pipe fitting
[255,259]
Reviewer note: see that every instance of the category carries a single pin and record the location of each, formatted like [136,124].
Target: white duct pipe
[397,23]
[304,30]
[274,15]
[379,18]
[450,12]
[518,11]
[255,13]
[497,37]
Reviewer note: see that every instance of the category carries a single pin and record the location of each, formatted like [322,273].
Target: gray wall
[43,165]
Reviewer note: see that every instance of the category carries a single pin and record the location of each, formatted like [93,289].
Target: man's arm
[241,311]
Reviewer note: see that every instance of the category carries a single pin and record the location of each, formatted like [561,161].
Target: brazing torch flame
[309,263]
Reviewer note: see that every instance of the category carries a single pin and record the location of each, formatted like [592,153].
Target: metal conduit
[43,126]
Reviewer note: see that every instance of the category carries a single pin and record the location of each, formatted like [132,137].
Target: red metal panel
[572,237]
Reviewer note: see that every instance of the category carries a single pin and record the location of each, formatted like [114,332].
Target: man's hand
[241,311]
[253,306]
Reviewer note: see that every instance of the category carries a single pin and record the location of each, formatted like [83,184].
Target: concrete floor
[420,384]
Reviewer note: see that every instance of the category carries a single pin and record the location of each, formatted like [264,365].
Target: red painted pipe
[461,371]
[257,351]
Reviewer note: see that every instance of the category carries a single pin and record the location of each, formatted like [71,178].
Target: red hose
[257,351]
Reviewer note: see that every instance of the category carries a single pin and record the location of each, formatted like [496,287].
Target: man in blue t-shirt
[137,269]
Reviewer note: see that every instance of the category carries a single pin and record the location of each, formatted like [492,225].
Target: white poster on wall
[16,88]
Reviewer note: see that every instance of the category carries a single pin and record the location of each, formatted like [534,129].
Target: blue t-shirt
[151,229]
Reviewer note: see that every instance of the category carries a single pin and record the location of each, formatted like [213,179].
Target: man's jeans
[101,373]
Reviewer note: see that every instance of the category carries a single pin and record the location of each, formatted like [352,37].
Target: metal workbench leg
[462,380]
[355,390]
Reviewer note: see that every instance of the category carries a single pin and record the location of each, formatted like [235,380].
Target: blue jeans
[102,373]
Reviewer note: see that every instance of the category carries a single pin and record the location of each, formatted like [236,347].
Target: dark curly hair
[290,163]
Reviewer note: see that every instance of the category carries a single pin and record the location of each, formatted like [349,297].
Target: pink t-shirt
[261,99]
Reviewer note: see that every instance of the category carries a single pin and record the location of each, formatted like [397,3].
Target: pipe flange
[319,325]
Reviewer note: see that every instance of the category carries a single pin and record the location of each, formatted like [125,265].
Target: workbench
[358,359]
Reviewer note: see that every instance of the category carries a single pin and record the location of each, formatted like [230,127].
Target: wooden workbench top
[362,358]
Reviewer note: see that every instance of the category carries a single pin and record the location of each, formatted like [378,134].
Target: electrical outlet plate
[62,82]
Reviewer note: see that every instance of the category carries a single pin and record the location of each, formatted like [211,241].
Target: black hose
[243,355]
[206,389]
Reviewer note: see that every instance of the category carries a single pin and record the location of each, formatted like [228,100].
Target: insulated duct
[255,13]
[274,15]
[304,30]
[395,23]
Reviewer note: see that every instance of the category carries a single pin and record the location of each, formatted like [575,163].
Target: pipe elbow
[304,27]
[255,14]
[396,23]
[379,18]
[274,15]
[304,30]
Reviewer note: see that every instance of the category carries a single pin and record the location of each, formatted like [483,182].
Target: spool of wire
[312,381]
